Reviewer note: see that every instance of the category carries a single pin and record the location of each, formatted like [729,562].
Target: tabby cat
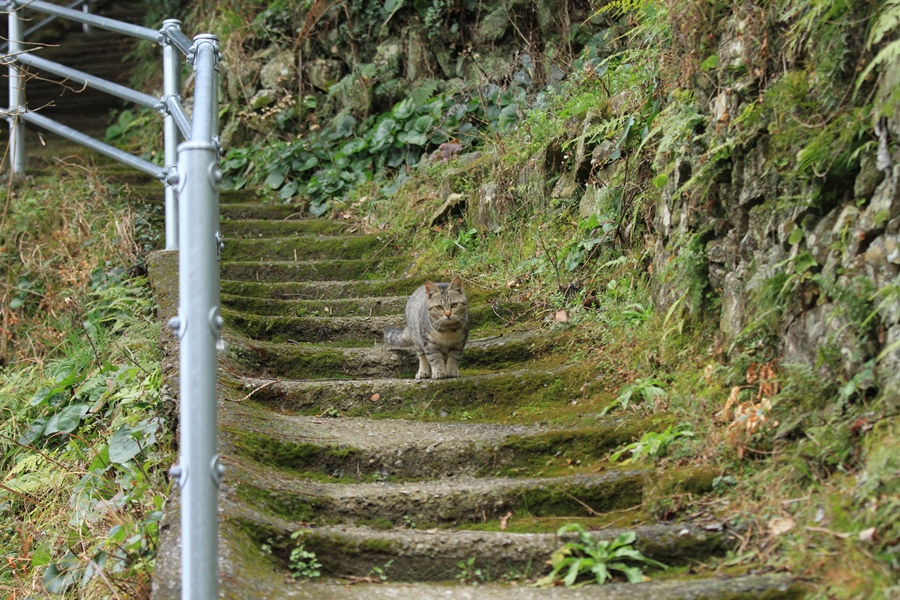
[437,325]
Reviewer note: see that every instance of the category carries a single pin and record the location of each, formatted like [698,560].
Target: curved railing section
[191,177]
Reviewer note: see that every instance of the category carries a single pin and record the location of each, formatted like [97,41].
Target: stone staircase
[404,488]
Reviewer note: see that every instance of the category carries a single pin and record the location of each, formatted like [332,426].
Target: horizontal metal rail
[144,33]
[76,136]
[92,81]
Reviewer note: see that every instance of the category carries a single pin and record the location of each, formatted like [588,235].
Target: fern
[886,23]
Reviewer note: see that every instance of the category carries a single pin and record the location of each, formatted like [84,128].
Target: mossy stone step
[315,270]
[304,248]
[438,502]
[235,206]
[745,587]
[360,329]
[343,291]
[323,290]
[410,449]
[317,361]
[261,228]
[335,307]
[506,391]
[434,555]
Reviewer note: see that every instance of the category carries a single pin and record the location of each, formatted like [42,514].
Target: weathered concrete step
[315,270]
[434,555]
[245,210]
[439,502]
[367,397]
[747,587]
[407,449]
[346,291]
[335,307]
[316,361]
[323,290]
[262,228]
[362,329]
[305,248]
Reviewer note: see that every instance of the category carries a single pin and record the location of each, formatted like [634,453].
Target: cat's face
[447,308]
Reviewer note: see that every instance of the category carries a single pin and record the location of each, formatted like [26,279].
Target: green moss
[288,505]
[289,455]
[330,270]
[303,248]
[582,500]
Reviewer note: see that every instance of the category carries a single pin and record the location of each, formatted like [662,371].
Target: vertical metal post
[86,9]
[199,325]
[16,93]
[171,87]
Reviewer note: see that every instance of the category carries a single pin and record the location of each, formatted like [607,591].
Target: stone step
[336,307]
[368,449]
[435,555]
[746,587]
[367,306]
[507,390]
[318,361]
[305,247]
[230,209]
[436,502]
[347,290]
[318,270]
[263,228]
[361,329]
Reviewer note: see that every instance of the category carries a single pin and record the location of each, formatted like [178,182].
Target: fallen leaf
[781,525]
[562,316]
[504,520]
[375,397]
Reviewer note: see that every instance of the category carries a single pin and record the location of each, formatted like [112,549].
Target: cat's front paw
[439,374]
[423,375]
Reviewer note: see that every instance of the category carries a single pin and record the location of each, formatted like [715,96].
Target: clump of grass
[83,444]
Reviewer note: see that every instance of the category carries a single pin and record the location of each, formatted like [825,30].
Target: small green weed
[303,563]
[646,388]
[469,573]
[593,560]
[653,444]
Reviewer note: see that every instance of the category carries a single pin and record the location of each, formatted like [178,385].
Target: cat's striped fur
[437,326]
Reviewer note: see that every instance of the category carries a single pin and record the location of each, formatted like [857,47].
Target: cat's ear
[430,288]
[456,284]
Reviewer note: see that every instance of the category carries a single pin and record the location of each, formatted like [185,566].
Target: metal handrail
[192,178]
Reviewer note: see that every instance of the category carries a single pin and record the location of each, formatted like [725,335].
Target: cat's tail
[396,337]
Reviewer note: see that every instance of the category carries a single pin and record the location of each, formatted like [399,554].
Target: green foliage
[469,573]
[646,389]
[304,563]
[653,444]
[594,561]
[351,152]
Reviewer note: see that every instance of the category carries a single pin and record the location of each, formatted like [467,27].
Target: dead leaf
[504,520]
[781,525]
[868,535]
[708,372]
[562,316]
[375,397]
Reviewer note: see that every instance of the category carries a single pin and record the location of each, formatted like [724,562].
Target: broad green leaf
[123,446]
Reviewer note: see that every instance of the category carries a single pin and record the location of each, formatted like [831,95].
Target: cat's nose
[448,313]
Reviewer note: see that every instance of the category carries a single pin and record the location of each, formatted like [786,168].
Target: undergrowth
[83,444]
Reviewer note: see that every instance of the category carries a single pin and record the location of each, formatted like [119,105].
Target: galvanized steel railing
[191,177]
